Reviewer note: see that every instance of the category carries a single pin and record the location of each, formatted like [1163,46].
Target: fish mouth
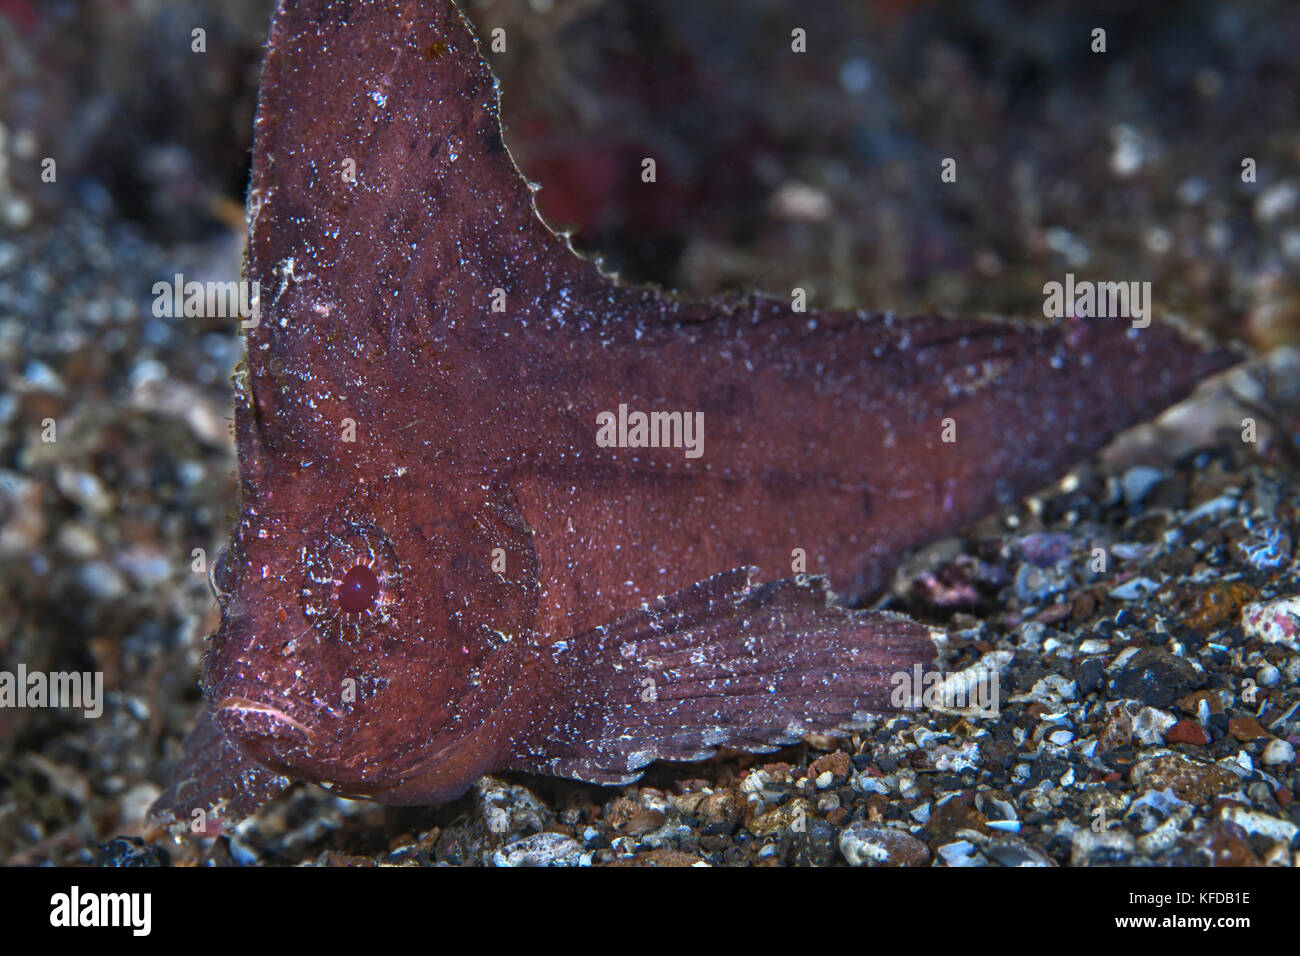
[258,716]
[249,710]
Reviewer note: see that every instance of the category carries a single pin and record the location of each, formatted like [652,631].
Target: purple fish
[500,511]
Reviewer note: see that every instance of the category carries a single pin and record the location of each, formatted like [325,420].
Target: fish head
[374,625]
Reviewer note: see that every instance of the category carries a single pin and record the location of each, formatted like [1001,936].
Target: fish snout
[263,721]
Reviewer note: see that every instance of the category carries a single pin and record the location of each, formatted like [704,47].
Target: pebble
[131,851]
[1268,548]
[37,376]
[85,489]
[102,581]
[1219,604]
[865,783]
[1190,780]
[720,809]
[1150,726]
[1187,732]
[961,853]
[1088,676]
[1131,550]
[1163,836]
[633,818]
[1154,807]
[965,757]
[78,541]
[835,764]
[1223,844]
[768,784]
[1135,589]
[1215,506]
[542,849]
[1034,584]
[1013,851]
[1093,645]
[1278,752]
[1261,824]
[507,811]
[865,844]
[1246,729]
[1137,483]
[792,815]
[1046,550]
[1274,622]
[1112,846]
[812,846]
[1118,731]
[1155,677]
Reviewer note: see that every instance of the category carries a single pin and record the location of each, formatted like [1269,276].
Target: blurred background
[819,170]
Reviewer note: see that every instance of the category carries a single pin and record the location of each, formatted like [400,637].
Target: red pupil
[358,590]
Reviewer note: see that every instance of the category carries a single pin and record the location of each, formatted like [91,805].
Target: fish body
[501,511]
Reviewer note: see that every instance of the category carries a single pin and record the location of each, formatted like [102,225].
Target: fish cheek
[475,635]
[489,570]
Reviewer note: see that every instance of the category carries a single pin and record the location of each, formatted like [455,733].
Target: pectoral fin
[725,662]
[213,777]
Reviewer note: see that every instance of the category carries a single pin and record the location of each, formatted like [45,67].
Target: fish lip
[258,711]
[277,717]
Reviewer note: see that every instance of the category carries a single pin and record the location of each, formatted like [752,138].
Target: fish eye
[359,590]
[351,580]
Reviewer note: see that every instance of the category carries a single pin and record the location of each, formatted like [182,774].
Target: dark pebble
[817,845]
[1023,679]
[1088,675]
[1049,767]
[131,851]
[1155,677]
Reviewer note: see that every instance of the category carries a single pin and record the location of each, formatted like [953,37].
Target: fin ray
[725,662]
[213,776]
